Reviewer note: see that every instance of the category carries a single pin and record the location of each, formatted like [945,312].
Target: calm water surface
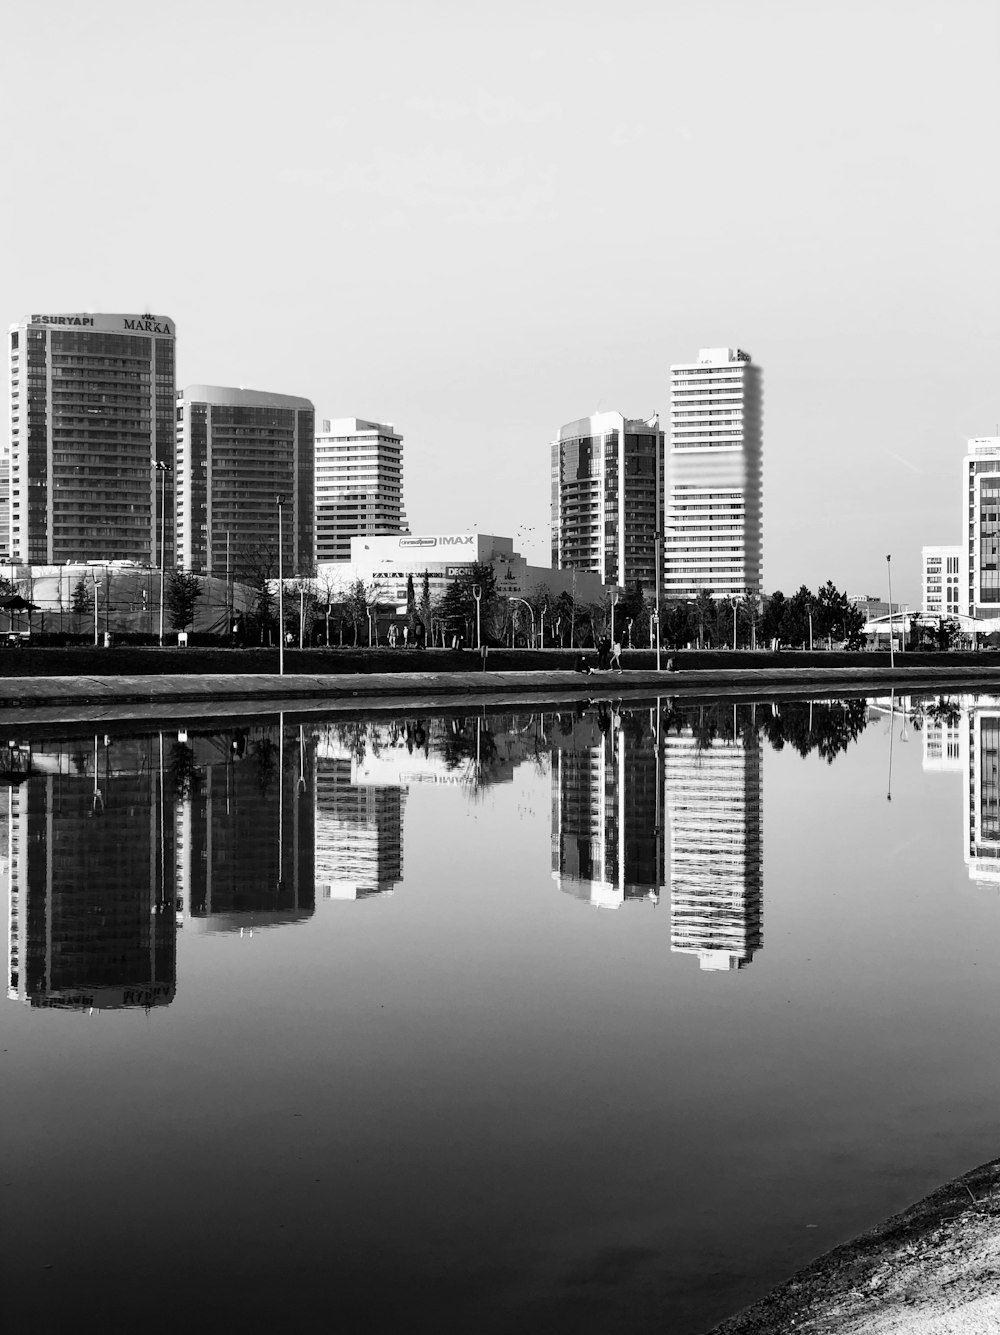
[580,1020]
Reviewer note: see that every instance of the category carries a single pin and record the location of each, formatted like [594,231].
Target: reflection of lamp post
[163,469]
[477,593]
[279,501]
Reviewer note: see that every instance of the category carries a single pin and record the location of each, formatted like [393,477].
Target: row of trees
[804,619]
[327,612]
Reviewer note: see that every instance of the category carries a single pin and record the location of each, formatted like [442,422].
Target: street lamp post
[531,613]
[279,501]
[477,593]
[163,469]
[97,585]
[888,569]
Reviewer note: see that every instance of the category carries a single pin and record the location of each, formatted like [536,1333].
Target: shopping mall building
[383,564]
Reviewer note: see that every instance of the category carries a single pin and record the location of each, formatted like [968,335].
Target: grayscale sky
[482,220]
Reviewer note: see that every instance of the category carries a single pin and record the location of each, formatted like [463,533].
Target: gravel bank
[934,1269]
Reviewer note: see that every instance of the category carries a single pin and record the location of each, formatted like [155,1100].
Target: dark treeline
[827,727]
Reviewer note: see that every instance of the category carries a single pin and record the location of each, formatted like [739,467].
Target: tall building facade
[237,451]
[91,412]
[608,830]
[715,799]
[981,539]
[941,580]
[359,484]
[243,816]
[714,521]
[607,498]
[359,832]
[91,922]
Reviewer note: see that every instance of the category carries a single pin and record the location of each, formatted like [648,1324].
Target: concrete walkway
[49,699]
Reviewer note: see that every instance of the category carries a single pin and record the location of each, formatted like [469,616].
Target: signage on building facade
[132,324]
[446,540]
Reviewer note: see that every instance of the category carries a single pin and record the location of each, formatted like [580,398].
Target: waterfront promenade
[36,698]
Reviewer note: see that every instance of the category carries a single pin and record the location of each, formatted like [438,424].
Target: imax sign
[447,540]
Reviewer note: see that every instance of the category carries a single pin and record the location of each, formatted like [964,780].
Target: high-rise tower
[607,496]
[237,451]
[359,484]
[714,526]
[980,564]
[91,412]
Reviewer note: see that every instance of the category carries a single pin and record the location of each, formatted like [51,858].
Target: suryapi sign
[447,540]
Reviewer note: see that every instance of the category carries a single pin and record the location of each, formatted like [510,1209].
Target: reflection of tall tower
[981,745]
[243,813]
[607,829]
[359,833]
[92,922]
[715,798]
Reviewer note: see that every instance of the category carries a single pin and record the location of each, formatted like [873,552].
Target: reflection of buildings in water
[980,729]
[91,921]
[364,773]
[359,832]
[714,796]
[942,745]
[243,821]
[607,827]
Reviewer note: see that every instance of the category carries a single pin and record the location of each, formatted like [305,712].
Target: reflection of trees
[944,711]
[827,727]
[265,755]
[482,749]
[185,776]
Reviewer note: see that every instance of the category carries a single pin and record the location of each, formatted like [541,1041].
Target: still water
[597,1018]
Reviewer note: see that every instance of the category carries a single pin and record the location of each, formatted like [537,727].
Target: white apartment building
[941,581]
[980,565]
[359,484]
[714,525]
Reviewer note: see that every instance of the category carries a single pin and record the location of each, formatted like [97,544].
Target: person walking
[616,656]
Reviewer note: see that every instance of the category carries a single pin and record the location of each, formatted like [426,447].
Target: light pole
[477,593]
[279,501]
[97,585]
[888,570]
[163,469]
[531,613]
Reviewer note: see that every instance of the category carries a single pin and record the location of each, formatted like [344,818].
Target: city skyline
[433,274]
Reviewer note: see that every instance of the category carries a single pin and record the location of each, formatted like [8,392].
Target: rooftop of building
[714,357]
[598,423]
[355,426]
[102,322]
[235,396]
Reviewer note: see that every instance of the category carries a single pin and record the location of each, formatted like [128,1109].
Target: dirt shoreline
[933,1269]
